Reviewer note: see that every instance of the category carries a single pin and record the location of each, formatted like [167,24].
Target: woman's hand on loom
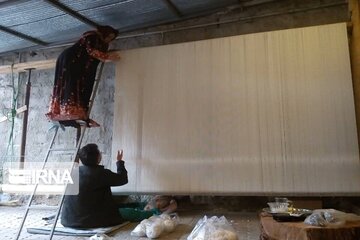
[120,155]
[113,56]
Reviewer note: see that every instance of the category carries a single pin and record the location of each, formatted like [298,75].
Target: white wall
[254,114]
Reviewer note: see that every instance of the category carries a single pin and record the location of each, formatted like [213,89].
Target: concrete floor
[245,223]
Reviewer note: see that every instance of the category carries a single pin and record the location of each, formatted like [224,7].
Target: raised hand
[120,155]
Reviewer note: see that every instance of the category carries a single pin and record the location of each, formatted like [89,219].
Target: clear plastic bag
[139,230]
[100,237]
[213,228]
[155,226]
[316,219]
[169,221]
[328,217]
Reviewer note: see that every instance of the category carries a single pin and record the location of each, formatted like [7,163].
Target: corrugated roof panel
[10,43]
[126,14]
[81,5]
[41,20]
[58,29]
[26,12]
[192,7]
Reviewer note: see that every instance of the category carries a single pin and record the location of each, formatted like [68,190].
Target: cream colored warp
[254,114]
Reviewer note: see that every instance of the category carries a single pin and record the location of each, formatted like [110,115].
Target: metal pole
[25,120]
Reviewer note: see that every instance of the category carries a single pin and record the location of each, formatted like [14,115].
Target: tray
[299,214]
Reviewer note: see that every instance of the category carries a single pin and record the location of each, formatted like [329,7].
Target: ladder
[79,137]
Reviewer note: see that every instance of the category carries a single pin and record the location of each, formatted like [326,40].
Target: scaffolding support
[25,119]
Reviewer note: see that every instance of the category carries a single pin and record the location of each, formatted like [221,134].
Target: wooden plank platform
[21,67]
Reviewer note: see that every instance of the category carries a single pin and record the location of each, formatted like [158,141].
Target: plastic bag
[316,219]
[100,237]
[154,226]
[326,217]
[169,222]
[213,228]
[139,230]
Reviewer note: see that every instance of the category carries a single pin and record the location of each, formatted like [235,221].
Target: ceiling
[30,24]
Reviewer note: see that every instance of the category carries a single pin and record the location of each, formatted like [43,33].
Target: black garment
[94,205]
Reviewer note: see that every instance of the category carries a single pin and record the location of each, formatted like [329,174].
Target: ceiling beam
[72,13]
[172,7]
[22,36]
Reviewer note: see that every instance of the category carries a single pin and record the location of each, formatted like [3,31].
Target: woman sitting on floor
[94,206]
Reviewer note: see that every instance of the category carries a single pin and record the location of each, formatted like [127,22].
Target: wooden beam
[20,67]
